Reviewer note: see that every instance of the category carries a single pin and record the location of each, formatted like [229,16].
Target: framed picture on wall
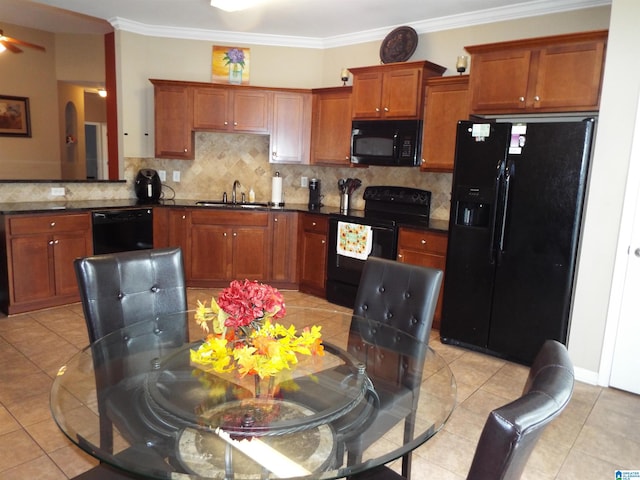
[14,116]
[230,65]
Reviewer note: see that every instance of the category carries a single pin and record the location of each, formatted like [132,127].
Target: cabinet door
[211,109]
[179,234]
[331,128]
[251,111]
[284,248]
[428,249]
[291,128]
[250,253]
[313,270]
[66,248]
[446,102]
[569,77]
[173,121]
[32,268]
[367,92]
[499,81]
[211,253]
[402,93]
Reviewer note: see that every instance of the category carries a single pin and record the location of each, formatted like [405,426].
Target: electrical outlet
[163,175]
[176,175]
[57,191]
[304,182]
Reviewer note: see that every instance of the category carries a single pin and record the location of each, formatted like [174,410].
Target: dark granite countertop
[88,205]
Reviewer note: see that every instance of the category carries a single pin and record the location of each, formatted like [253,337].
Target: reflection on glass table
[135,400]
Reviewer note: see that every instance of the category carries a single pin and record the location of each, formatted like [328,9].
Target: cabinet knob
[399,256]
[347,157]
[377,109]
[185,150]
[274,154]
[313,223]
[226,123]
[55,242]
[386,109]
[536,98]
[50,242]
[323,242]
[52,224]
[521,99]
[235,234]
[423,241]
[224,234]
[275,219]
[184,217]
[235,124]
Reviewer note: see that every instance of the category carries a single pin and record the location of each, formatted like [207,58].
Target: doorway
[96,150]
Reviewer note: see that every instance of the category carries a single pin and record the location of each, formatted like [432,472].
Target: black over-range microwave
[386,142]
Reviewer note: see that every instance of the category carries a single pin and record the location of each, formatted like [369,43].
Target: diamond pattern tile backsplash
[221,158]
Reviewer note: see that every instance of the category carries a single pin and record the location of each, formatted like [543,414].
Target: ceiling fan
[10,44]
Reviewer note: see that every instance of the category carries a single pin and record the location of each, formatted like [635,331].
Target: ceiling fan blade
[23,44]
[10,46]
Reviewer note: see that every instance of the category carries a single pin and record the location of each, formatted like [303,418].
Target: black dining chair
[391,296]
[512,431]
[119,290]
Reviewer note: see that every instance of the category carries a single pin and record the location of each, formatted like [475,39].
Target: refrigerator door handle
[498,182]
[505,204]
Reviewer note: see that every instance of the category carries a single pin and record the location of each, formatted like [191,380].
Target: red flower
[248,301]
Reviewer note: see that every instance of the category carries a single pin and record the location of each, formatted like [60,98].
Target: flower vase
[265,387]
[235,73]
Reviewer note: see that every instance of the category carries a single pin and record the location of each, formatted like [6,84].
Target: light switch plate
[304,182]
[163,175]
[176,175]
[57,191]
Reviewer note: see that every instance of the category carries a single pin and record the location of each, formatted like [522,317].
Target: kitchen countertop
[85,205]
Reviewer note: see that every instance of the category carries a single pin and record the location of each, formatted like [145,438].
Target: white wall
[606,190]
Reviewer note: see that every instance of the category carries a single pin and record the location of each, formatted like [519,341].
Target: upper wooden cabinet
[173,112]
[231,109]
[391,91]
[446,102]
[291,128]
[561,73]
[331,126]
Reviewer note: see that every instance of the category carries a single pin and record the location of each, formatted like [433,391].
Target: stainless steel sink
[219,204]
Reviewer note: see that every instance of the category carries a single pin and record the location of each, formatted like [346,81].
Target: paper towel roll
[276,190]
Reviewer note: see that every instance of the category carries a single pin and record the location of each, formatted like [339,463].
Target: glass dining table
[135,399]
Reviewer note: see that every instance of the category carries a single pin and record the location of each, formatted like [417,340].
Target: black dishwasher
[122,230]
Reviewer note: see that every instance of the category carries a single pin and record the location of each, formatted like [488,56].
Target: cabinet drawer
[423,241]
[234,217]
[25,225]
[315,223]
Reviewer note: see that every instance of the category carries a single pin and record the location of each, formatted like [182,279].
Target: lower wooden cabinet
[226,246]
[38,267]
[284,250]
[313,253]
[426,248]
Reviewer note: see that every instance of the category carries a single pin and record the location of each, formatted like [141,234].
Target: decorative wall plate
[399,45]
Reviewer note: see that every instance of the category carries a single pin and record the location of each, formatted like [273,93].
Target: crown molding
[479,17]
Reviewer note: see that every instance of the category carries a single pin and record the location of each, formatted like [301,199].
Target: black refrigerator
[516,208]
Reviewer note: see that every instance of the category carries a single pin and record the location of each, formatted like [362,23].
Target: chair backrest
[118,289]
[511,432]
[400,296]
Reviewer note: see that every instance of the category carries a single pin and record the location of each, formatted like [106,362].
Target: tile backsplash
[221,158]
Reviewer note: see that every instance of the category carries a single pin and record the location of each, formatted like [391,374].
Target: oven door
[344,268]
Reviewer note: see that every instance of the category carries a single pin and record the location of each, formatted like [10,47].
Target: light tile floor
[598,432]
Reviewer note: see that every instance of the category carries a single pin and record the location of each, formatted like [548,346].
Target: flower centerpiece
[234,58]
[244,336]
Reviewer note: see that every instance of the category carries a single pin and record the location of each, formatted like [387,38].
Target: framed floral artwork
[14,116]
[230,65]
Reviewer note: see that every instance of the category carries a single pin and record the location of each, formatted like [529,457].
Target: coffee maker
[314,194]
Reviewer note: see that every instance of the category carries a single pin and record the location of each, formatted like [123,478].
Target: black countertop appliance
[148,186]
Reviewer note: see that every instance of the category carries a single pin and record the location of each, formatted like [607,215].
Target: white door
[625,368]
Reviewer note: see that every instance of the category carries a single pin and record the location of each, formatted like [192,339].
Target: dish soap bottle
[252,196]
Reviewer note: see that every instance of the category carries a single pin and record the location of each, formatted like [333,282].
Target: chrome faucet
[236,184]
